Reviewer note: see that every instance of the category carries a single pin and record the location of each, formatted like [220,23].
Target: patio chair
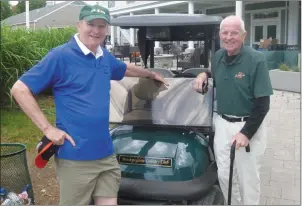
[175,50]
[134,54]
[192,60]
[117,52]
[126,52]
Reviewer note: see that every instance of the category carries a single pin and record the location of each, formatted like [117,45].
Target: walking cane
[232,157]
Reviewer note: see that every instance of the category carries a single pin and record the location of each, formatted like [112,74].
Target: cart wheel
[213,197]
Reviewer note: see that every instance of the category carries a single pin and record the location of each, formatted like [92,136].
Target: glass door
[258,33]
[265,30]
[271,31]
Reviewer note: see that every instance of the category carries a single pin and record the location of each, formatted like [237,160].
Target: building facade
[279,20]
[53,15]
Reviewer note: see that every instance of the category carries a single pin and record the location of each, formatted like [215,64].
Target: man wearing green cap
[79,73]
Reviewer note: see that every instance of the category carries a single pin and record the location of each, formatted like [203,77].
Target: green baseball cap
[89,13]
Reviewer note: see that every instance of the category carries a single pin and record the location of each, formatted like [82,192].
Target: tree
[33,4]
[5,10]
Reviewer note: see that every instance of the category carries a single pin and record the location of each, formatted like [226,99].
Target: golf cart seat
[165,72]
[196,71]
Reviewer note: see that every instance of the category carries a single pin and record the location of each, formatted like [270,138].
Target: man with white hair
[243,90]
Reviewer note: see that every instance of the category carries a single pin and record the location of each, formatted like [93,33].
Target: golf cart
[163,134]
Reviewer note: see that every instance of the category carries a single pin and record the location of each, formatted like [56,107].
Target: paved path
[281,169]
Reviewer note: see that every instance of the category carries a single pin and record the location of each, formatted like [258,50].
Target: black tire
[213,197]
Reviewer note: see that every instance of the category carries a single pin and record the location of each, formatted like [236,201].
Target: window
[258,33]
[111,4]
[265,30]
[272,31]
[266,15]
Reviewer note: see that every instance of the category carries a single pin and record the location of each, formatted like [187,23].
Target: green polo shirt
[239,82]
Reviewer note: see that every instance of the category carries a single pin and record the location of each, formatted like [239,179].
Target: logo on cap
[97,10]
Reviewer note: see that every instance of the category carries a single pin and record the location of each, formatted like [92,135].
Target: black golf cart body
[162,134]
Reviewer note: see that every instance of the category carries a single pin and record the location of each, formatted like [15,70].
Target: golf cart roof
[157,20]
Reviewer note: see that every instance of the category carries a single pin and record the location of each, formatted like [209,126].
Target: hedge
[21,49]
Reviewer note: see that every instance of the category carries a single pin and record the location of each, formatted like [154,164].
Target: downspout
[286,21]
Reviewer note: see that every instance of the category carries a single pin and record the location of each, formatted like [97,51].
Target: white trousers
[246,173]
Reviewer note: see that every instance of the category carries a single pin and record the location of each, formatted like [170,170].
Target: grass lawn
[16,127]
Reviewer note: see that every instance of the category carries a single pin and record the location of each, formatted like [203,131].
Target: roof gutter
[21,23]
[131,5]
[162,4]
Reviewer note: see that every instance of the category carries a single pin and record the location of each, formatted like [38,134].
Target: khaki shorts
[80,181]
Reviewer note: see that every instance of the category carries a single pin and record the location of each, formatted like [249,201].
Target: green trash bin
[14,170]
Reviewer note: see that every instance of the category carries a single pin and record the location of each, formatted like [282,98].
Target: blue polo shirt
[81,88]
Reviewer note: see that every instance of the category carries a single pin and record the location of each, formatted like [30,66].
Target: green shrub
[284,67]
[21,49]
[296,69]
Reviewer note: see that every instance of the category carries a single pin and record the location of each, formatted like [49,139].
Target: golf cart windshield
[140,101]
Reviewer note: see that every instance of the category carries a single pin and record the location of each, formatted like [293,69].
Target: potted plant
[286,78]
